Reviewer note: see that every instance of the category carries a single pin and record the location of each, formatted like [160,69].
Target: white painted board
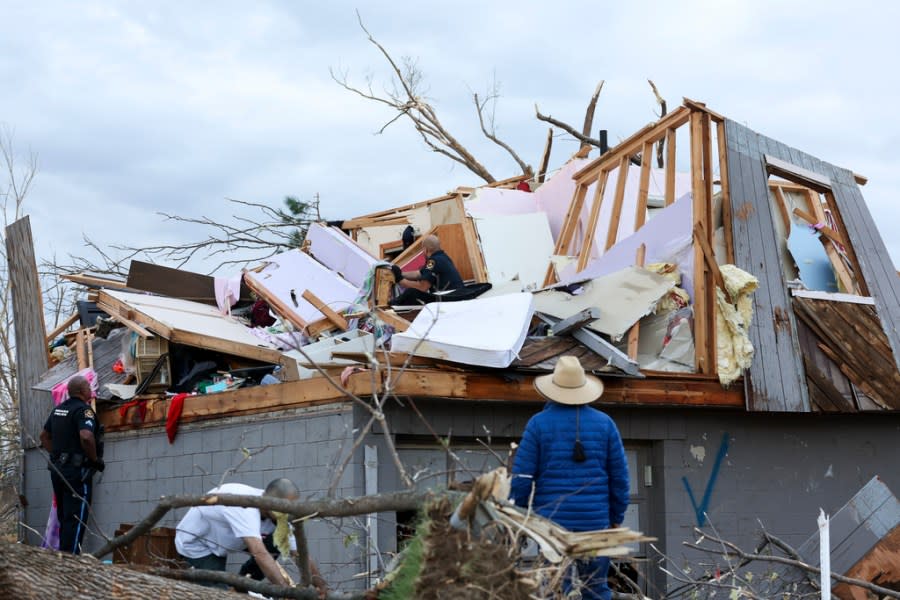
[667,238]
[487,332]
[516,249]
[190,317]
[486,202]
[298,271]
[334,249]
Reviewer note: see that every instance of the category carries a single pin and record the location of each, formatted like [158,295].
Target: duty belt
[70,458]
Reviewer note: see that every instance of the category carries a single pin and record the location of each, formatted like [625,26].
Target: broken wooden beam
[330,314]
[576,321]
[598,345]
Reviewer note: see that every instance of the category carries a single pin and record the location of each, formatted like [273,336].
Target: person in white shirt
[207,534]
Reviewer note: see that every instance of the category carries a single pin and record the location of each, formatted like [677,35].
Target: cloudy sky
[135,108]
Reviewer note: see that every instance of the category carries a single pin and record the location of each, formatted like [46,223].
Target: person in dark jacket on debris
[571,466]
[70,436]
[438,275]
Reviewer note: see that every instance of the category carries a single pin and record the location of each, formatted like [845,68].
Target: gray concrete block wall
[142,466]
[779,469]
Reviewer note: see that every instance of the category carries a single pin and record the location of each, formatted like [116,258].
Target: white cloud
[170,106]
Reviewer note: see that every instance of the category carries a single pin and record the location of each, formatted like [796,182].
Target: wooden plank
[763,385]
[634,334]
[640,213]
[62,327]
[784,168]
[726,192]
[584,255]
[848,282]
[276,304]
[32,354]
[80,356]
[570,223]
[812,220]
[393,319]
[782,205]
[632,144]
[670,166]
[616,214]
[141,331]
[363,222]
[706,140]
[339,321]
[664,390]
[703,325]
[175,283]
[702,238]
[479,269]
[95,281]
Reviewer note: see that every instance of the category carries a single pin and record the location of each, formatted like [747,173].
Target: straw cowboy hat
[569,384]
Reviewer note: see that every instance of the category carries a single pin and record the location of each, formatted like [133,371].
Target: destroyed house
[733,293]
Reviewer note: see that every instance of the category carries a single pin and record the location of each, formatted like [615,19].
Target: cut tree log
[33,573]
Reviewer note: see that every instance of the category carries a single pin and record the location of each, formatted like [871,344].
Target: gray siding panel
[776,380]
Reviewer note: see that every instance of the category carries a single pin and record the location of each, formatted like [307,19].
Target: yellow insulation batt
[734,352]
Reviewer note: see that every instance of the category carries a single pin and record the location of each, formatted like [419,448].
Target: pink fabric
[228,292]
[60,391]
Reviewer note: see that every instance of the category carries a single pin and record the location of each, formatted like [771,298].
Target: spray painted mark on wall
[700,511]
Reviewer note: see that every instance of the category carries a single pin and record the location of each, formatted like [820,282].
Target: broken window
[814,255]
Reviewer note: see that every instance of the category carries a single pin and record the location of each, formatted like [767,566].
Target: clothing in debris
[71,470]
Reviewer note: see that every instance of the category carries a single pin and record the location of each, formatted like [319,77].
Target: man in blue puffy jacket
[570,465]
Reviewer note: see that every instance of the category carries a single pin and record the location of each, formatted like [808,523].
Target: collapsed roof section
[644,262]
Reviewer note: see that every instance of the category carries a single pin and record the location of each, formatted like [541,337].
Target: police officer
[70,436]
[439,275]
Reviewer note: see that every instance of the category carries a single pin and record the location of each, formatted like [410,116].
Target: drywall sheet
[516,249]
[334,249]
[298,271]
[623,298]
[487,332]
[486,202]
[189,317]
[667,237]
[322,352]
[555,195]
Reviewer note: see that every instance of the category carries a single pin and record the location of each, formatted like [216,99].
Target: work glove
[98,465]
[398,274]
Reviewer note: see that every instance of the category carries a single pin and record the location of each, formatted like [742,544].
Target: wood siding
[776,380]
[28,321]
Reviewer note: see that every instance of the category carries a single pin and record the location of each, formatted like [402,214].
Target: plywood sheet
[516,249]
[623,298]
[486,332]
[298,271]
[334,249]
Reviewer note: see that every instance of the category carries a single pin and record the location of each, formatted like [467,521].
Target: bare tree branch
[584,139]
[492,134]
[246,584]
[661,146]
[407,98]
[591,109]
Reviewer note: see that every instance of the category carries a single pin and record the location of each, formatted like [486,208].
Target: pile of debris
[325,308]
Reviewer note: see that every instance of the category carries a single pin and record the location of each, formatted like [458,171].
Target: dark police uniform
[70,471]
[440,272]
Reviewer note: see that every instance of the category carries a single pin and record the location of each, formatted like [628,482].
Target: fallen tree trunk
[31,573]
